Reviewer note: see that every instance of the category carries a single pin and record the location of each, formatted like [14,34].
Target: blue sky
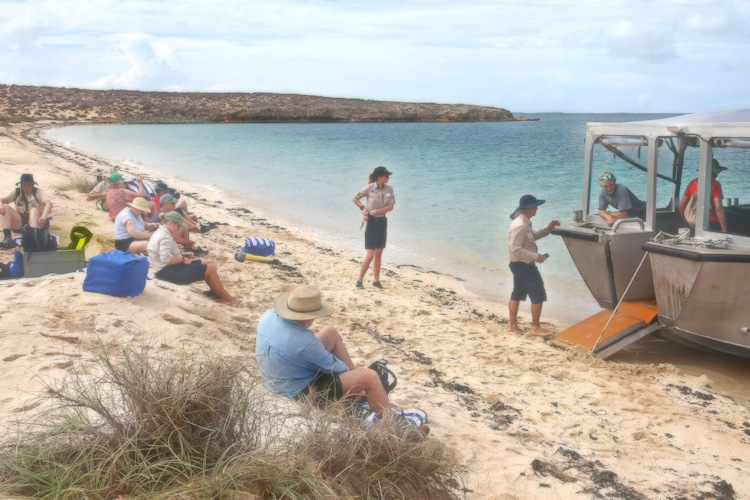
[525,56]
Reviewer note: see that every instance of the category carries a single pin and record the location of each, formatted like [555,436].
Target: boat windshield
[677,160]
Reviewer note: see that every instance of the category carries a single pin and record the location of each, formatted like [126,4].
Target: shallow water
[455,185]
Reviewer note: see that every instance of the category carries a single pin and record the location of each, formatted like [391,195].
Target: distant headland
[19,103]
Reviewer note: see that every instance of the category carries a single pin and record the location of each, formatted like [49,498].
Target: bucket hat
[140,204]
[526,202]
[27,179]
[302,303]
[174,217]
[716,168]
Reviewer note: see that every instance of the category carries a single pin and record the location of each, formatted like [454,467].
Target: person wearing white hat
[295,362]
[131,231]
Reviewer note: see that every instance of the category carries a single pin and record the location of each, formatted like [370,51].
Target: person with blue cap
[524,255]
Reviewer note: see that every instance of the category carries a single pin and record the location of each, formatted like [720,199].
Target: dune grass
[81,183]
[199,425]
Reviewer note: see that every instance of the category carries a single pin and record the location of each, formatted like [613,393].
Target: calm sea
[455,185]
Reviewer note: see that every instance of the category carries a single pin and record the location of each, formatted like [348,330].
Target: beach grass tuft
[80,183]
[200,425]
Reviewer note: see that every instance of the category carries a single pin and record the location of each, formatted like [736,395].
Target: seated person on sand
[619,197]
[168,203]
[32,208]
[295,362]
[170,265]
[131,231]
[99,192]
[119,196]
[161,189]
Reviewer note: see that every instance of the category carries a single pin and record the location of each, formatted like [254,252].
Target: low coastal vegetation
[19,103]
[200,425]
[81,183]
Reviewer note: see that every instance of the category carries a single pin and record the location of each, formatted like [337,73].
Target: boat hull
[702,297]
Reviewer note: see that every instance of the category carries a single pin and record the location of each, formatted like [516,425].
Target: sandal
[387,377]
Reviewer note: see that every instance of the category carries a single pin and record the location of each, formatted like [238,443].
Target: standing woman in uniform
[380,201]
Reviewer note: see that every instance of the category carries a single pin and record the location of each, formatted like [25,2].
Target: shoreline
[304,230]
[529,419]
[477,271]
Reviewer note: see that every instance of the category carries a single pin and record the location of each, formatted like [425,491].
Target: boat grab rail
[629,219]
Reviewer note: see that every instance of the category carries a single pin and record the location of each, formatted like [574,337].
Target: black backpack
[37,240]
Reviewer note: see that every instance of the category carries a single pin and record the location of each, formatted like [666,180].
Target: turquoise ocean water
[455,185]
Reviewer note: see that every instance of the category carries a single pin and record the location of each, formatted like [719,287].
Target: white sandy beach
[531,420]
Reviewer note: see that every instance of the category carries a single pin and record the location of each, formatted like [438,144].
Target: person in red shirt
[717,219]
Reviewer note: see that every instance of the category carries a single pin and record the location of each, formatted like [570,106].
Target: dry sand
[531,420]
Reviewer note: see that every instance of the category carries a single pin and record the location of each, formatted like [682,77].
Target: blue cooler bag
[259,246]
[117,273]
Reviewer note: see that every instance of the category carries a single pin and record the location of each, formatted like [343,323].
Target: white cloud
[561,54]
[149,65]
[629,39]
[24,30]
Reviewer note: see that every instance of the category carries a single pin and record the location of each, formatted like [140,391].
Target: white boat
[649,274]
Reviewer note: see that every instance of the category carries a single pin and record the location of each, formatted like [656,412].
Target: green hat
[174,217]
[115,177]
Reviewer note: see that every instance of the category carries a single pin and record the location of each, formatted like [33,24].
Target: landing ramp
[632,321]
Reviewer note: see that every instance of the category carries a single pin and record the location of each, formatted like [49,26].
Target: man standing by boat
[523,254]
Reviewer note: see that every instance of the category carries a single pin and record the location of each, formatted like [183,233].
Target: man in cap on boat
[618,196]
[717,218]
[295,362]
[524,254]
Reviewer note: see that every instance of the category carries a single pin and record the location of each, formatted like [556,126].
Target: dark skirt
[376,233]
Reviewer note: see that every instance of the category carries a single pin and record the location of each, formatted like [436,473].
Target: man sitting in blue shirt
[295,362]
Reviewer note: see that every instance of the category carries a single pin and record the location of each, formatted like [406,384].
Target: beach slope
[529,419]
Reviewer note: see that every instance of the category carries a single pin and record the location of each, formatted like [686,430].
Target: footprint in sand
[13,357]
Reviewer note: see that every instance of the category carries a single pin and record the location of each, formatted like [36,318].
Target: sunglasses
[606,177]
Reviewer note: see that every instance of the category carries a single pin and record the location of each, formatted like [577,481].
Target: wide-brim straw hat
[140,204]
[302,303]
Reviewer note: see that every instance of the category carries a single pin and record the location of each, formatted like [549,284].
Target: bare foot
[540,332]
[514,328]
[229,299]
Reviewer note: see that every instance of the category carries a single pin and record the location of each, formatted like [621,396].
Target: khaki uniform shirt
[377,197]
[34,200]
[521,240]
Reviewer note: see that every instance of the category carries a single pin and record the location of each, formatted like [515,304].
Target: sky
[521,55]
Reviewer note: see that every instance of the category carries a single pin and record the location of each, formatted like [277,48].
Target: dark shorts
[183,274]
[325,387]
[527,281]
[376,233]
[123,245]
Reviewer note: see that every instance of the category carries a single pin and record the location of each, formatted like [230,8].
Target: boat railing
[625,221]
